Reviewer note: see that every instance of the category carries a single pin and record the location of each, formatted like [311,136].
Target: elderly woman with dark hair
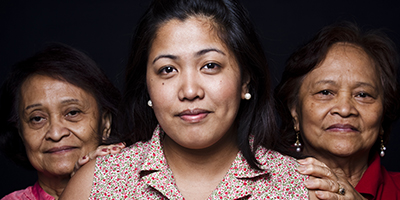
[200,113]
[338,98]
[57,106]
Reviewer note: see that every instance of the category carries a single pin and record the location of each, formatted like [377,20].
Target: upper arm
[80,185]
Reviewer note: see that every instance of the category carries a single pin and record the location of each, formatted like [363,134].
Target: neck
[217,155]
[207,166]
[53,185]
[350,167]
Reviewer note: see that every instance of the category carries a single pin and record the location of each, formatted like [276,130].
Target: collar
[156,172]
[371,180]
[39,193]
[154,158]
[242,170]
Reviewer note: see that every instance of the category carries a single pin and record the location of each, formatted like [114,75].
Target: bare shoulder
[80,185]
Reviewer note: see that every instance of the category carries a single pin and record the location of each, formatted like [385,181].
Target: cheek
[33,141]
[164,100]
[87,131]
[313,112]
[32,138]
[372,117]
[225,89]
[161,92]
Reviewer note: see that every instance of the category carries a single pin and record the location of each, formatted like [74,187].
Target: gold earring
[297,144]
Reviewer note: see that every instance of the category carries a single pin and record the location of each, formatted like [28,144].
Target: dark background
[102,29]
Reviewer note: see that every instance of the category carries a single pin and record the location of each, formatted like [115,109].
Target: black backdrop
[102,29]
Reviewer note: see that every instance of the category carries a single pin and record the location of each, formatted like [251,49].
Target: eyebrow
[62,102]
[69,101]
[326,82]
[199,53]
[204,51]
[165,56]
[365,84]
[32,106]
[358,84]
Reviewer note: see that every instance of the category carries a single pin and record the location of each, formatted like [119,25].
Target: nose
[57,130]
[190,86]
[344,106]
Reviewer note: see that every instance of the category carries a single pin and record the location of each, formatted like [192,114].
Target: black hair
[374,42]
[232,24]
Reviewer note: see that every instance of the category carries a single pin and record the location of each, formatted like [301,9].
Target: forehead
[41,86]
[343,59]
[189,32]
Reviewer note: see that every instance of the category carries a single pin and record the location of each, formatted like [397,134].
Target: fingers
[105,150]
[117,148]
[324,182]
[326,195]
[321,176]
[100,151]
[78,164]
[313,167]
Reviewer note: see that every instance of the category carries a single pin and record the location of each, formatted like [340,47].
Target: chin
[63,169]
[343,152]
[197,145]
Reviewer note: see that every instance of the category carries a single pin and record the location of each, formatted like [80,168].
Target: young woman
[199,113]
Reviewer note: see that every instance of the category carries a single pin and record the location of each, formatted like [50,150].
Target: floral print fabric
[141,172]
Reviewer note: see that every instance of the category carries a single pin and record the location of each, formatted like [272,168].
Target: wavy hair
[377,46]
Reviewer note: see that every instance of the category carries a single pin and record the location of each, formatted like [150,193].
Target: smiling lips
[60,149]
[342,128]
[193,116]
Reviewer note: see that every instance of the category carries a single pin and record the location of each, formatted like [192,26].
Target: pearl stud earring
[247,96]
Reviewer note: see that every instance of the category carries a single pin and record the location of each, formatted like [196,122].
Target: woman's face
[340,104]
[194,83]
[59,124]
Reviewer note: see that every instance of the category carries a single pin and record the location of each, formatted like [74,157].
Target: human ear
[106,121]
[245,85]
[295,116]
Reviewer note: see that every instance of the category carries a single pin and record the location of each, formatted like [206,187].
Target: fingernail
[302,161]
[84,157]
[301,168]
[308,183]
[104,150]
[114,148]
[318,193]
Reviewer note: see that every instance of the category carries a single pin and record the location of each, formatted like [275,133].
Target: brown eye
[167,70]
[325,92]
[73,113]
[36,119]
[211,65]
[211,68]
[363,95]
